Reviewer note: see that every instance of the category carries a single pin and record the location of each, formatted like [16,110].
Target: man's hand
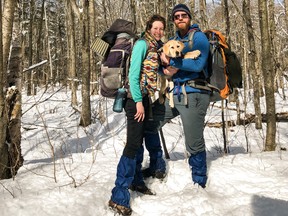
[140,113]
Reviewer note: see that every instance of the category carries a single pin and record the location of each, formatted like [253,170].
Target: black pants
[135,129]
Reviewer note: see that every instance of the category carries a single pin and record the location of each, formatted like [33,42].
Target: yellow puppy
[173,49]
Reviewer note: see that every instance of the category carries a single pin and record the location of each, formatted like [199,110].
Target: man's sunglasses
[178,16]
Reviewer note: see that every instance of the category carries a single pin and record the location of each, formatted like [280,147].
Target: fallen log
[249,118]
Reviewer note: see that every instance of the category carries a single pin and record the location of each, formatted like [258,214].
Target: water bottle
[119,100]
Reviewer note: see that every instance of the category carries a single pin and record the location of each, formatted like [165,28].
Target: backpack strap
[125,79]
[190,37]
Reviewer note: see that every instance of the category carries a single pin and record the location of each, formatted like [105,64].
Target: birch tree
[8,163]
[4,172]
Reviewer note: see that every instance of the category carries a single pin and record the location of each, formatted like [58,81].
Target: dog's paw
[193,54]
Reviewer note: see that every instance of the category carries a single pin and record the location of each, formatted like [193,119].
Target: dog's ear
[180,45]
[166,48]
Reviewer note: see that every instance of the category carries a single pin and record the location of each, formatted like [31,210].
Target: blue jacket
[191,69]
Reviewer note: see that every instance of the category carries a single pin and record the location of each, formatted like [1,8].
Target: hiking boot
[142,189]
[156,174]
[147,173]
[122,210]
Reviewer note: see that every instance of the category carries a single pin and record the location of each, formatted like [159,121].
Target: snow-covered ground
[69,170]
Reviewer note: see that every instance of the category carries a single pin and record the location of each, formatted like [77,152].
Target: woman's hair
[154,18]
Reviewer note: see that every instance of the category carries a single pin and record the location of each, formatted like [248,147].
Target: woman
[145,63]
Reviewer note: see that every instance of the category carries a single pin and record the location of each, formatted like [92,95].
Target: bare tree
[71,52]
[203,14]
[39,47]
[7,25]
[10,105]
[133,12]
[253,62]
[192,7]
[13,98]
[30,87]
[4,172]
[286,12]
[268,73]
[86,107]
[93,60]
[227,20]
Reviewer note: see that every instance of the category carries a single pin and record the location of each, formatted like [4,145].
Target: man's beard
[182,26]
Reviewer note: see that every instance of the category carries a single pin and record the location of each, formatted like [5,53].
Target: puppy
[173,49]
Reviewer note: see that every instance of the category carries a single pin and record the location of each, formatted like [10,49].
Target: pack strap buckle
[200,85]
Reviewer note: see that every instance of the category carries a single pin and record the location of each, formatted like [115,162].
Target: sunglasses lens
[178,16]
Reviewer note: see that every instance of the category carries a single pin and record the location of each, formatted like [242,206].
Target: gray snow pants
[192,116]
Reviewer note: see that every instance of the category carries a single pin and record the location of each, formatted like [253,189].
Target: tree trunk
[30,75]
[39,50]
[227,21]
[71,50]
[133,12]
[192,7]
[86,107]
[272,42]
[204,23]
[92,31]
[3,120]
[286,12]
[253,63]
[6,31]
[170,25]
[14,102]
[50,77]
[268,74]
[7,25]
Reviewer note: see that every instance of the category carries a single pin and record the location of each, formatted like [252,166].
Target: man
[191,97]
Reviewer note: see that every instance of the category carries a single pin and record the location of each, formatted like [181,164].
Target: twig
[7,190]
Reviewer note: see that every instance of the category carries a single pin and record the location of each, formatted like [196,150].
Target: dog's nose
[177,53]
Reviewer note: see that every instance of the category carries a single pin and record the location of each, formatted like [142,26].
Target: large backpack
[115,46]
[114,68]
[224,68]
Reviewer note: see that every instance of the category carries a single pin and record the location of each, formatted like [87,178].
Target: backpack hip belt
[199,85]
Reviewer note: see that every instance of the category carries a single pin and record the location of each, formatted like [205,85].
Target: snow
[70,170]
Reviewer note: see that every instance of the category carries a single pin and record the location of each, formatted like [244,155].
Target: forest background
[44,43]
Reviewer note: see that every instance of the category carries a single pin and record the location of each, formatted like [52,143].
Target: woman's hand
[170,71]
[140,112]
[164,59]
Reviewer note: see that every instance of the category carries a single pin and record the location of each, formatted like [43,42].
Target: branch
[35,66]
[75,8]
